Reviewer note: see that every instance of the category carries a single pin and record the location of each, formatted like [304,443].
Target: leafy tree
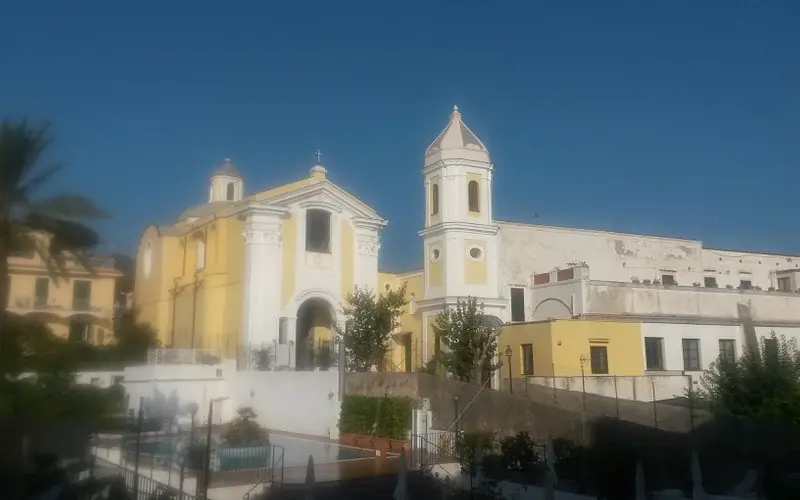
[764,385]
[370,323]
[133,340]
[245,431]
[24,219]
[471,345]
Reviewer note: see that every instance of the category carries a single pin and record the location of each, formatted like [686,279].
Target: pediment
[329,196]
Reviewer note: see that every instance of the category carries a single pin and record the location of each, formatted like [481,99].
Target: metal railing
[271,474]
[183,357]
[147,487]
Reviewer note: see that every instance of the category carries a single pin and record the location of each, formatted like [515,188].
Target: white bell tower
[459,239]
[226,183]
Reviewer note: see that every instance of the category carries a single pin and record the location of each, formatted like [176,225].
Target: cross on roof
[318,155]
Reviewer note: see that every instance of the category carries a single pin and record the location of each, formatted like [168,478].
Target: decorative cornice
[463,227]
[454,162]
[348,202]
[263,235]
[365,223]
[368,244]
[321,205]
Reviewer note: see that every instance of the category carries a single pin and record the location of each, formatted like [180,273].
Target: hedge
[379,417]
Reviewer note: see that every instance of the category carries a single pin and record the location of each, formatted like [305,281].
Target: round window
[435,254]
[475,253]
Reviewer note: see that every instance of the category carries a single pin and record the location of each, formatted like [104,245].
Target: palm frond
[21,146]
[66,235]
[35,181]
[69,207]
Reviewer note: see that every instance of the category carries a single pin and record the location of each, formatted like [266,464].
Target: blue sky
[668,117]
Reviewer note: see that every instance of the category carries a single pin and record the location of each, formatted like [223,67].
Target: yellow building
[572,347]
[78,304]
[267,272]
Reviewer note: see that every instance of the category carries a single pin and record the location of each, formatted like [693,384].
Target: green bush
[466,444]
[245,431]
[379,417]
[520,452]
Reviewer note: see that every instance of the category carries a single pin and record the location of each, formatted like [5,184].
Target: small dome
[456,141]
[226,168]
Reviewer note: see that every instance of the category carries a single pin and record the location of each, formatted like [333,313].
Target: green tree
[133,340]
[471,352]
[245,431]
[23,218]
[370,322]
[763,385]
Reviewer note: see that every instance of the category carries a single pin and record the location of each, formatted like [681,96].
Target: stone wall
[538,410]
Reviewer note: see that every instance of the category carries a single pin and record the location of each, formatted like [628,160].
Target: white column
[368,245]
[262,276]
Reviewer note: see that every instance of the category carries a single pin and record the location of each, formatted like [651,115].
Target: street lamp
[509,353]
[455,411]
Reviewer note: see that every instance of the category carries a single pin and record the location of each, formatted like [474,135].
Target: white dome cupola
[456,142]
[226,183]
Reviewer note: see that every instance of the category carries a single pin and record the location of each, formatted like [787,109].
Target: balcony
[581,297]
[28,305]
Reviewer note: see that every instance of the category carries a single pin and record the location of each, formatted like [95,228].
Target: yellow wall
[410,322]
[559,344]
[58,310]
[206,302]
[474,270]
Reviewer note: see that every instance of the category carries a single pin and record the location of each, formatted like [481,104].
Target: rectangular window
[710,282]
[668,279]
[527,359]
[745,284]
[81,295]
[42,291]
[117,379]
[785,284]
[727,351]
[201,251]
[771,348]
[599,355]
[691,355]
[654,353]
[541,279]
[517,304]
[318,231]
[434,199]
[79,331]
[566,274]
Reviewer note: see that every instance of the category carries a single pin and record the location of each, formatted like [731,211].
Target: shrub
[245,431]
[520,452]
[381,417]
[467,443]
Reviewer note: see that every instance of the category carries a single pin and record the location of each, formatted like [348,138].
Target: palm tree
[24,219]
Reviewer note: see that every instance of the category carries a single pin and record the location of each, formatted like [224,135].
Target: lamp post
[455,412]
[509,353]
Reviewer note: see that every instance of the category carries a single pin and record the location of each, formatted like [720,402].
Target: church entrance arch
[315,334]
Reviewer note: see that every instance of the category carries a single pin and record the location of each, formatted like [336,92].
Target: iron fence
[144,487]
[167,356]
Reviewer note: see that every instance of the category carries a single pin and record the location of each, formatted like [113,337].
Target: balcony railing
[41,304]
[183,357]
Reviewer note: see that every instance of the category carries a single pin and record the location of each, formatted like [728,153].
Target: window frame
[730,346]
[434,199]
[519,292]
[659,341]
[784,280]
[473,196]
[76,301]
[526,357]
[230,191]
[687,350]
[603,368]
[326,246]
[36,302]
[712,280]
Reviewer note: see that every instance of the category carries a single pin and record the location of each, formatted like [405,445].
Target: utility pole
[197,284]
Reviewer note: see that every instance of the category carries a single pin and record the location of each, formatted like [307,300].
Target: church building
[271,270]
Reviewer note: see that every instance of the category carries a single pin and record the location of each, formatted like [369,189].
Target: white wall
[532,249]
[630,388]
[300,402]
[791,333]
[709,336]
[98,378]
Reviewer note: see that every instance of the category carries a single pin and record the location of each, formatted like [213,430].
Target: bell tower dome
[226,183]
[459,238]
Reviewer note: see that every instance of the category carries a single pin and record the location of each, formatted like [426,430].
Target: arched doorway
[315,334]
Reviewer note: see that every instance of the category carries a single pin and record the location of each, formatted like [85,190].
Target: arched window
[231,192]
[434,199]
[472,196]
[318,231]
[200,260]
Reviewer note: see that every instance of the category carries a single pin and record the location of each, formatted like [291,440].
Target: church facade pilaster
[262,276]
[368,245]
